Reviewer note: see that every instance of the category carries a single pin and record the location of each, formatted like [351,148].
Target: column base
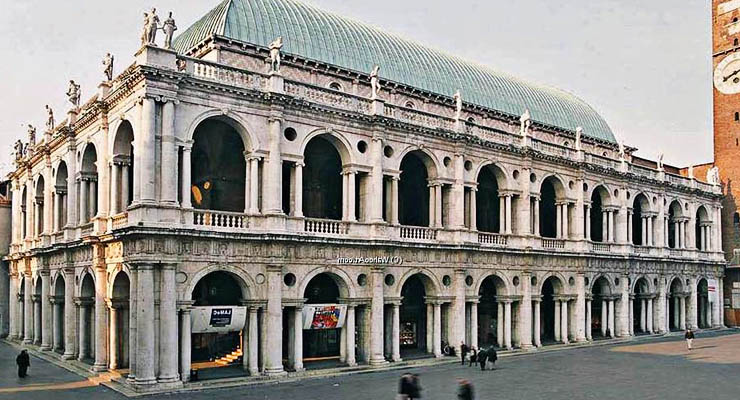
[528,347]
[145,382]
[27,341]
[99,367]
[275,371]
[581,340]
[378,362]
[68,356]
[351,364]
[299,369]
[254,372]
[169,379]
[45,347]
[397,359]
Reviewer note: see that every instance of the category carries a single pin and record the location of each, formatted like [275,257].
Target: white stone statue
[108,64]
[169,29]
[622,155]
[31,135]
[691,172]
[458,104]
[375,82]
[18,149]
[579,132]
[73,93]
[713,175]
[49,119]
[275,47]
[660,161]
[717,181]
[151,24]
[525,122]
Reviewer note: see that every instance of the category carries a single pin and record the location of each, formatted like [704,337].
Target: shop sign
[324,316]
[217,319]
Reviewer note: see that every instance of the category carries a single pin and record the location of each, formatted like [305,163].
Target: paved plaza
[652,369]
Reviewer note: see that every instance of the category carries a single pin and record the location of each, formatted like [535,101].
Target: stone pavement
[650,369]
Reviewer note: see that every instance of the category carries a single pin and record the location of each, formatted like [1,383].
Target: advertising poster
[324,316]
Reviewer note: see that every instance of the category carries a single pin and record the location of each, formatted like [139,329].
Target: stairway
[235,357]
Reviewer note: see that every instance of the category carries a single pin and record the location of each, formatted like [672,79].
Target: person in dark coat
[492,356]
[689,336]
[404,387]
[473,357]
[464,389]
[482,358]
[415,387]
[23,362]
[463,352]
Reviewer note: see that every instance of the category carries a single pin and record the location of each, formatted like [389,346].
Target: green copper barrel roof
[312,33]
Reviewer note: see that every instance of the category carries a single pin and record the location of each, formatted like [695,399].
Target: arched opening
[322,341]
[58,319]
[220,347]
[639,232]
[415,330]
[548,208]
[676,306]
[413,190]
[640,305]
[39,202]
[322,180]
[601,295]
[550,310]
[88,184]
[60,196]
[599,220]
[488,207]
[703,306]
[122,168]
[703,230]
[119,322]
[490,313]
[86,316]
[218,166]
[675,226]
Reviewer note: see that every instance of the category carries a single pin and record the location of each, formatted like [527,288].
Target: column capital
[185,305]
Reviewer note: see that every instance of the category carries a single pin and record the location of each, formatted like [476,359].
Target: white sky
[645,66]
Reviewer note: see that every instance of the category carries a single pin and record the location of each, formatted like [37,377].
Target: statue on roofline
[108,64]
[375,82]
[151,24]
[73,93]
[18,149]
[31,135]
[49,118]
[169,29]
[275,47]
[660,161]
[458,104]
[525,122]
[579,132]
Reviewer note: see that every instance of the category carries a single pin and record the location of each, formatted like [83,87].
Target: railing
[601,247]
[705,186]
[553,243]
[678,180]
[491,239]
[225,74]
[221,219]
[86,229]
[602,161]
[417,233]
[644,171]
[675,252]
[329,97]
[491,134]
[641,249]
[417,117]
[119,221]
[59,237]
[552,149]
[325,226]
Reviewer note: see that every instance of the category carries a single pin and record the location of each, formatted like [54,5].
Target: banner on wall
[324,316]
[217,319]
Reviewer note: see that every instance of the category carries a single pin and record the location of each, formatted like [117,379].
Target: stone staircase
[235,357]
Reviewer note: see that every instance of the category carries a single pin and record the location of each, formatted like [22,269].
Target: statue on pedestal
[458,104]
[660,161]
[169,29]
[151,24]
[31,135]
[18,149]
[622,154]
[525,122]
[108,64]
[73,93]
[691,172]
[49,119]
[375,82]
[275,47]
[713,175]
[579,132]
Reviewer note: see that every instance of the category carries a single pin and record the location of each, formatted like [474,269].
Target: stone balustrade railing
[119,221]
[325,226]
[417,117]
[553,244]
[86,229]
[601,247]
[226,74]
[221,219]
[644,171]
[492,239]
[553,149]
[492,135]
[417,233]
[678,180]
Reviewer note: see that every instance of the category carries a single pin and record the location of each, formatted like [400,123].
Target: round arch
[89,159]
[557,183]
[427,157]
[641,285]
[602,190]
[502,284]
[641,200]
[242,126]
[120,271]
[432,286]
[86,285]
[246,284]
[498,170]
[604,282]
[558,282]
[341,278]
[336,139]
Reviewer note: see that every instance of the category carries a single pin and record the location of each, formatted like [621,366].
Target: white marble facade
[109,241]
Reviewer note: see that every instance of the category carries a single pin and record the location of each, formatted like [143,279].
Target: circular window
[585,187]
[361,146]
[566,144]
[571,281]
[362,279]
[616,281]
[534,281]
[446,280]
[586,281]
[515,281]
[390,280]
[515,174]
[260,279]
[469,280]
[447,161]
[532,178]
[335,86]
[571,185]
[410,105]
[616,192]
[289,279]
[290,134]
[468,165]
[605,154]
[388,151]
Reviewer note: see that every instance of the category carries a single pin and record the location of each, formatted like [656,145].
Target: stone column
[375,206]
[133,349]
[589,336]
[145,368]
[587,234]
[536,219]
[394,200]
[611,318]
[508,214]
[185,345]
[186,183]
[558,221]
[604,317]
[113,337]
[253,360]
[254,207]
[169,165]
[101,322]
[564,321]
[558,315]
[500,323]
[396,332]
[650,315]
[474,324]
[580,307]
[376,315]
[274,355]
[57,341]
[168,325]
[125,200]
[525,313]
[437,336]
[566,216]
[631,318]
[145,146]
[682,313]
[82,348]
[430,328]
[114,188]
[273,183]
[612,227]
[298,338]
[693,309]
[473,208]
[13,305]
[438,221]
[36,319]
[349,324]
[69,314]
[46,311]
[84,191]
[299,191]
[507,324]
[27,311]
[643,315]
[537,341]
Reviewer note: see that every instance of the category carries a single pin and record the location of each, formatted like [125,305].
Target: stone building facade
[207,176]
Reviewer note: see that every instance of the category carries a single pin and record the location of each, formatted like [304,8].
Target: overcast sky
[645,66]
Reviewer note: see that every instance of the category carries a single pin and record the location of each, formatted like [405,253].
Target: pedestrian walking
[23,362]
[404,387]
[492,357]
[482,357]
[473,357]
[464,389]
[689,336]
[463,352]
[415,387]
